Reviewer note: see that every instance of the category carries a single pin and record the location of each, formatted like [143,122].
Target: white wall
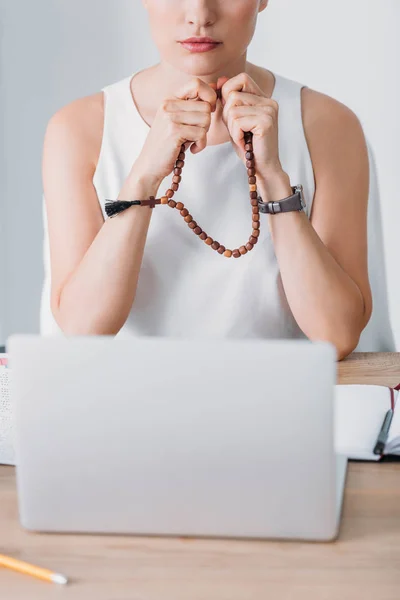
[53,51]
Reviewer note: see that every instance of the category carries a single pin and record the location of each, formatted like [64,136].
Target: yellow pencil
[24,567]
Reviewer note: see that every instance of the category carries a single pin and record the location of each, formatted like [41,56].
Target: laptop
[177,437]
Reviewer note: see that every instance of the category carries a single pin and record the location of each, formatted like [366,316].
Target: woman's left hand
[247,108]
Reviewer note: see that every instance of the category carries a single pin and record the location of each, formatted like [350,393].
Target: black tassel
[113,207]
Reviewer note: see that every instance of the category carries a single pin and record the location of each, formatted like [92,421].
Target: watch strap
[293,202]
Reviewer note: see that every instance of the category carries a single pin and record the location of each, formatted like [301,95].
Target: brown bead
[181,156]
[252,180]
[169,193]
[215,245]
[164,200]
[255,233]
[228,253]
[188,218]
[243,250]
[179,164]
[256,217]
[221,249]
[236,254]
[253,240]
[254,202]
[253,195]
[183,147]
[203,235]
[177,171]
[184,212]
[197,230]
[175,186]
[248,147]
[251,172]
[249,246]
[209,241]
[172,203]
[192,224]
[253,187]
[250,164]
[180,205]
[249,155]
[176,178]
[256,224]
[255,210]
[248,137]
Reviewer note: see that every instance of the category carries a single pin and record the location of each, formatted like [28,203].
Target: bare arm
[323,263]
[95,264]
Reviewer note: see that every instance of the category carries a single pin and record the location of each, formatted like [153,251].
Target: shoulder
[77,129]
[331,128]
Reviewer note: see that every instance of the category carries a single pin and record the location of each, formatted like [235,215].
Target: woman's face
[231,22]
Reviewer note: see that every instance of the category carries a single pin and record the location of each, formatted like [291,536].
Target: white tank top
[186,289]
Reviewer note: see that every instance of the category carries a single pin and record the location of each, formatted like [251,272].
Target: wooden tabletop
[363,564]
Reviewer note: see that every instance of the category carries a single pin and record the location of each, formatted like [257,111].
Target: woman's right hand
[182,119]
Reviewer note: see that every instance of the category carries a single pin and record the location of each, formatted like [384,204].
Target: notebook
[360,411]
[7,456]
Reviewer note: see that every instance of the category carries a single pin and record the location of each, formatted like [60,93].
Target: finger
[241,83]
[196,89]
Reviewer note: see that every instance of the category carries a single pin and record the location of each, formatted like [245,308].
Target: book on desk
[366,419]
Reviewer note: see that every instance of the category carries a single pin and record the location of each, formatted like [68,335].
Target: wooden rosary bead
[192,224]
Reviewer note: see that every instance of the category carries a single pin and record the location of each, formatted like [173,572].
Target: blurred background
[53,51]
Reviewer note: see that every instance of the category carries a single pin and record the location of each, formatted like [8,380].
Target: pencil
[28,569]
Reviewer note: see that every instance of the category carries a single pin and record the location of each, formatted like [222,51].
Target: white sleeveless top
[185,288]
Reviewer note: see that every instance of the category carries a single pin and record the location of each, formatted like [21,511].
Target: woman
[145,271]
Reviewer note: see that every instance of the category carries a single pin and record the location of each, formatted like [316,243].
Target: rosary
[114,207]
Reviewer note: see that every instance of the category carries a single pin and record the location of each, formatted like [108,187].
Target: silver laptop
[162,436]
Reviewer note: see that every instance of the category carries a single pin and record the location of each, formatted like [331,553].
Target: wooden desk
[364,564]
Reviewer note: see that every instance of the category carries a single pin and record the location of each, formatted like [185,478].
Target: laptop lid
[174,436]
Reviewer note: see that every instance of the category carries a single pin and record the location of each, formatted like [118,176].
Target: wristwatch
[293,202]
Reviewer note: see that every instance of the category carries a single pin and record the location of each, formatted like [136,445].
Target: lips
[200,44]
